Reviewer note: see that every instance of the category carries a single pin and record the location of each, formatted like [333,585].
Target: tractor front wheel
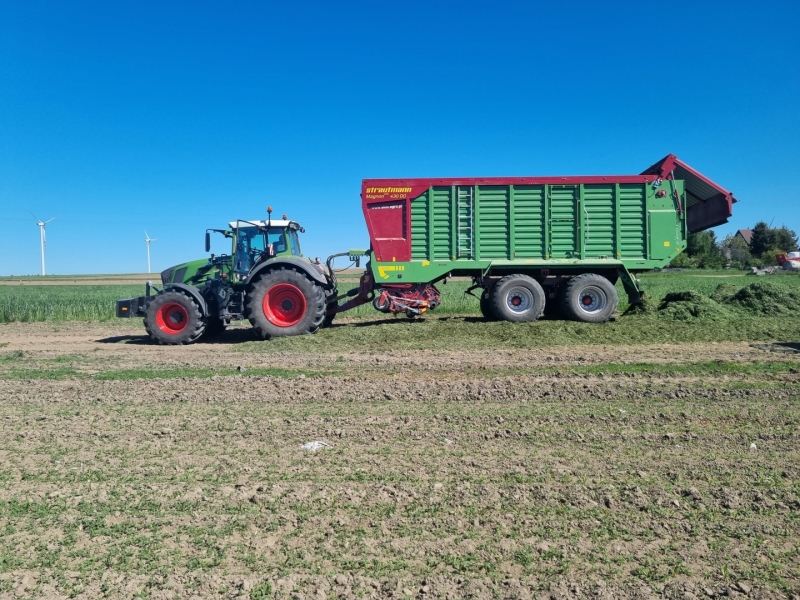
[284,302]
[174,318]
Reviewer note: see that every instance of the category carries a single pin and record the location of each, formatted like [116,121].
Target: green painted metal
[463,230]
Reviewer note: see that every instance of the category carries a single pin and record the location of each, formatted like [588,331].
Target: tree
[768,240]
[703,242]
[761,240]
[785,239]
[703,250]
[736,249]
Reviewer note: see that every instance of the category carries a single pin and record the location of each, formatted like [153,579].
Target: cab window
[295,242]
[276,237]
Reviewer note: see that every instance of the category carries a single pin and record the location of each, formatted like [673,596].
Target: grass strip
[702,368]
[473,333]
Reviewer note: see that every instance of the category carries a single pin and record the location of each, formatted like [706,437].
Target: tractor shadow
[135,340]
[231,336]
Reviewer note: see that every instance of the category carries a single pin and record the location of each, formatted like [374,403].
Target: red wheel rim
[172,318]
[284,305]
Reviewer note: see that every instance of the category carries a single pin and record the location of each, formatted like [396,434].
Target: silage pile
[728,302]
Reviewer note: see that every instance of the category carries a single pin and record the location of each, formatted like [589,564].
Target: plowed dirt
[133,470]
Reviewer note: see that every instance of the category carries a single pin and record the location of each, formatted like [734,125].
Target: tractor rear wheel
[486,307]
[174,318]
[517,298]
[590,298]
[284,302]
[330,303]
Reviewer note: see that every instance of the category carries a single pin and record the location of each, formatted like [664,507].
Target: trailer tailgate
[707,204]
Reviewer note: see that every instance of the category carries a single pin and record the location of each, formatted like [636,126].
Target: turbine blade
[53,219]
[35,217]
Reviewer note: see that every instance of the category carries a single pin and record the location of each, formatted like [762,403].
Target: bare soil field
[580,471]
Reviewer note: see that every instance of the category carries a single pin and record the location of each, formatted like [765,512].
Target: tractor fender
[193,292]
[295,263]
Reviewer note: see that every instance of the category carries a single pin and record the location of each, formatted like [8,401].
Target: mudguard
[295,263]
[193,292]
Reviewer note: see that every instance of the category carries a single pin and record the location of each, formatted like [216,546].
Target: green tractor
[265,279]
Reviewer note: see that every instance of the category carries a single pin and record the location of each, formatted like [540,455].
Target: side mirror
[208,241]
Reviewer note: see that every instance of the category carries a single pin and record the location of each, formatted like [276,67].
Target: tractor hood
[708,204]
[188,272]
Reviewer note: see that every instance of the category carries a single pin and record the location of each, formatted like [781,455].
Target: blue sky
[177,116]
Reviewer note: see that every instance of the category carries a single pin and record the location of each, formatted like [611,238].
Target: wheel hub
[172,318]
[284,305]
[519,300]
[592,300]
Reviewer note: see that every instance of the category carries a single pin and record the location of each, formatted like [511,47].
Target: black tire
[174,318]
[330,302]
[552,307]
[590,298]
[486,307]
[517,298]
[214,327]
[284,302]
[377,305]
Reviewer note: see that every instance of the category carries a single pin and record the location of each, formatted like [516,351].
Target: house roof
[747,235]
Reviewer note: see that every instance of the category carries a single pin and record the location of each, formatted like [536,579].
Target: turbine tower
[42,235]
[148,239]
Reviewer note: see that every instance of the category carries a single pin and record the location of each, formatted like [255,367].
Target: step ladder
[466,235]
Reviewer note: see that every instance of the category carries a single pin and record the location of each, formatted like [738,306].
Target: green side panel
[563,214]
[663,227]
[494,227]
[419,227]
[529,221]
[599,221]
[442,223]
[632,226]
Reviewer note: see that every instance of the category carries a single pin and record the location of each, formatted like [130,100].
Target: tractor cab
[254,241]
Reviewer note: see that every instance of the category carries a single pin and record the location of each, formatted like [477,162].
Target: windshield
[251,239]
[295,243]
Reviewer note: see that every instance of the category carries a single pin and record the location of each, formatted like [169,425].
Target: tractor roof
[273,223]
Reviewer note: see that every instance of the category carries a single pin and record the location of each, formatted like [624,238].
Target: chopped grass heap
[686,306]
[728,302]
[767,299]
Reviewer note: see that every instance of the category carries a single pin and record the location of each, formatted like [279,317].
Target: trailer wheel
[517,298]
[486,306]
[284,302]
[590,298]
[174,318]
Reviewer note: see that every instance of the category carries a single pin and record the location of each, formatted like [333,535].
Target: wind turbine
[148,239]
[42,234]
